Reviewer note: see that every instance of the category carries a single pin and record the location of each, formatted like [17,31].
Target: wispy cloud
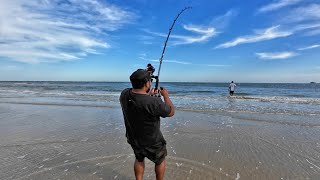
[205,34]
[304,18]
[224,20]
[309,47]
[260,35]
[48,31]
[313,32]
[216,65]
[173,61]
[10,68]
[304,13]
[277,5]
[306,26]
[276,55]
[143,57]
[146,39]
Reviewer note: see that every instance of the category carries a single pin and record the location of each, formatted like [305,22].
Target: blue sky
[106,40]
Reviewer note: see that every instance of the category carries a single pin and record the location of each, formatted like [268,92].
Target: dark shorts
[156,153]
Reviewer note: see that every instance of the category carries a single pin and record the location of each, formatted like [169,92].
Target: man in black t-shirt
[142,114]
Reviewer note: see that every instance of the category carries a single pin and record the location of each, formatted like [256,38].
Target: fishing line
[165,45]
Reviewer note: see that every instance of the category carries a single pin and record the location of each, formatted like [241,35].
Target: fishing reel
[154,77]
[156,87]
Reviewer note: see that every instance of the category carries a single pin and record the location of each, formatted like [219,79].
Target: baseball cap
[140,75]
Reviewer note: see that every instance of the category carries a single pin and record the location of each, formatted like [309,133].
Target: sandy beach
[83,142]
[240,81]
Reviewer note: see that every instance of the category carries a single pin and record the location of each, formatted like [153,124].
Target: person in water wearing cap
[141,113]
[232,86]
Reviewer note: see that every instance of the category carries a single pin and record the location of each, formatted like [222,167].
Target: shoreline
[94,105]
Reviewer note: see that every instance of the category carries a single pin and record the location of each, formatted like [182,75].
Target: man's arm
[167,100]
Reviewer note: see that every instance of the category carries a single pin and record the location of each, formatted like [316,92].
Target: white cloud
[198,30]
[307,29]
[174,61]
[277,5]
[218,65]
[153,33]
[146,39]
[183,62]
[309,47]
[10,68]
[303,18]
[170,61]
[313,32]
[224,20]
[261,35]
[306,26]
[276,55]
[205,34]
[304,13]
[47,31]
[201,33]
[143,57]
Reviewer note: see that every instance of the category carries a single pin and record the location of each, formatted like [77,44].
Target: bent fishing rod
[165,45]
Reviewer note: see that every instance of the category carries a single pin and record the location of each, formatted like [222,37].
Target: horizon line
[197,82]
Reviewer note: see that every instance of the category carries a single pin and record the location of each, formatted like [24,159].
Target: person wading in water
[232,87]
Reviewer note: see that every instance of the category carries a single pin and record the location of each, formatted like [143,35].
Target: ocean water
[259,98]
[51,130]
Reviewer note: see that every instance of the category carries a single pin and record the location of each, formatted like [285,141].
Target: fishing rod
[165,45]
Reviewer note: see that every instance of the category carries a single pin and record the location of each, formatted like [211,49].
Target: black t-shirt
[142,114]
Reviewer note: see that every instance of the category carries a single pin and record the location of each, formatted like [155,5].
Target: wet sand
[74,142]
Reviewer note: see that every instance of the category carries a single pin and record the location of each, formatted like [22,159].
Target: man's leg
[231,93]
[138,169]
[160,168]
